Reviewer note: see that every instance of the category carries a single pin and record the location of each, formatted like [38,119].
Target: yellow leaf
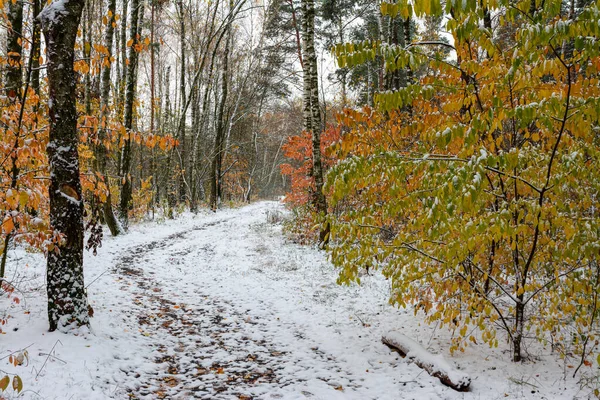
[23,198]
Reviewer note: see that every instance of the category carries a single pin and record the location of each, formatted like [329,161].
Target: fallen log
[434,364]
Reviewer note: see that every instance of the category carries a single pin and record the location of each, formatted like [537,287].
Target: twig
[43,365]
[50,355]
[96,278]
[522,382]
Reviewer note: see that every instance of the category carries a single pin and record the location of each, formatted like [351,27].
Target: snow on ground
[220,306]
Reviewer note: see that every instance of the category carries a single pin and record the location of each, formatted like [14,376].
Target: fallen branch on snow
[434,364]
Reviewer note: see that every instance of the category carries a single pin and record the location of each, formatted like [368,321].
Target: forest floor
[222,306]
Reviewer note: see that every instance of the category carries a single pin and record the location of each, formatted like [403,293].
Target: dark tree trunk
[67,301]
[14,71]
[407,41]
[126,188]
[195,137]
[122,50]
[101,151]
[87,54]
[35,49]
[181,147]
[152,105]
[217,161]
[168,186]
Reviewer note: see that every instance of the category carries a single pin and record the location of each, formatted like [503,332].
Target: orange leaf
[8,225]
[4,383]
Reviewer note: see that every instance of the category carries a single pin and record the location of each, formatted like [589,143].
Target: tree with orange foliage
[302,187]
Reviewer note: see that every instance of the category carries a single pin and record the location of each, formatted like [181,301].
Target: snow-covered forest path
[224,312]
[222,306]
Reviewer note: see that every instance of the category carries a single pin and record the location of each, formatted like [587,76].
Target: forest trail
[193,337]
[213,330]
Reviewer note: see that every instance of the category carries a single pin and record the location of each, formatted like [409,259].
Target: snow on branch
[434,364]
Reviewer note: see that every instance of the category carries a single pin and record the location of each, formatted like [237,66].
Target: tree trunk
[194,142]
[14,50]
[122,50]
[35,48]
[87,54]
[315,111]
[306,96]
[67,301]
[217,161]
[152,107]
[407,41]
[181,133]
[435,365]
[252,165]
[517,336]
[343,71]
[166,119]
[101,151]
[203,126]
[126,188]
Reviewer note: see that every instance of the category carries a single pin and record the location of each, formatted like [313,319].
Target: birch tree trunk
[67,301]
[312,111]
[306,95]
